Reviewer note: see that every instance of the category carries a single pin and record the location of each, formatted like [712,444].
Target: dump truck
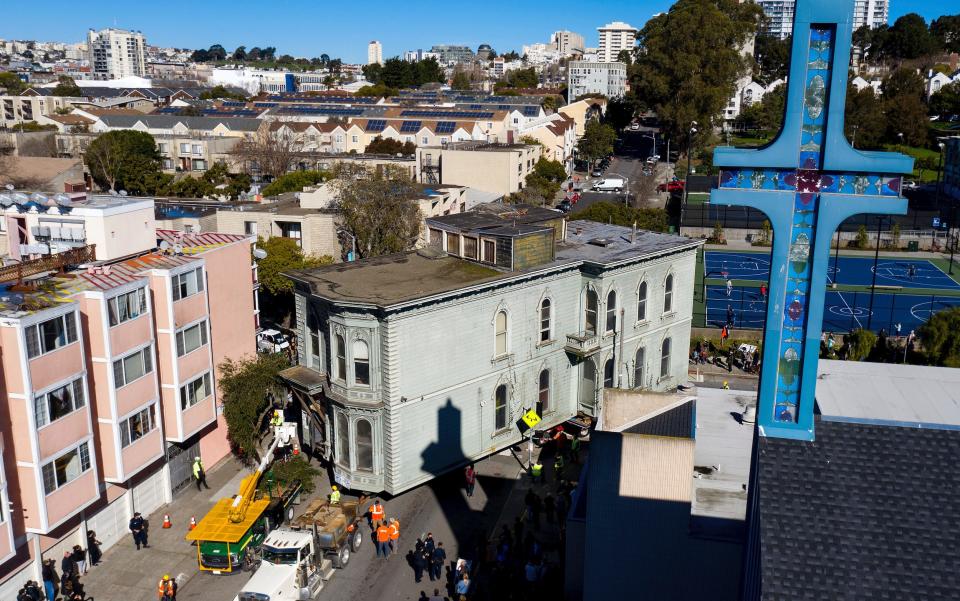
[298,558]
[229,536]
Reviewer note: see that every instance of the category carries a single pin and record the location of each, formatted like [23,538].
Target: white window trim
[36,324]
[201,284]
[205,334]
[507,348]
[139,349]
[122,422]
[114,299]
[53,458]
[180,395]
[62,383]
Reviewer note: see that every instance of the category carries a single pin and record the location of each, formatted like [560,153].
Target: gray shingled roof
[863,512]
[169,121]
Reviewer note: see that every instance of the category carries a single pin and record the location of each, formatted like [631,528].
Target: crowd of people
[65,584]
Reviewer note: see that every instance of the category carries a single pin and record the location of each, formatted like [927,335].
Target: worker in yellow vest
[335,496]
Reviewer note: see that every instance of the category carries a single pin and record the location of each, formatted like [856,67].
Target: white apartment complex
[568,42]
[780,15]
[116,53]
[374,53]
[607,78]
[615,37]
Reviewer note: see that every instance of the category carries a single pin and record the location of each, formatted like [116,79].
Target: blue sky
[310,28]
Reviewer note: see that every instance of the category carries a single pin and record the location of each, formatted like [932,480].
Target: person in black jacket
[139,529]
[51,580]
[93,547]
[437,562]
[68,566]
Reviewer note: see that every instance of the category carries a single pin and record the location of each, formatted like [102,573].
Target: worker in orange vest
[167,589]
[394,534]
[383,540]
[376,513]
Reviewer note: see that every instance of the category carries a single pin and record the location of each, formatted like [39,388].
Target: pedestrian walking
[470,476]
[394,534]
[463,587]
[536,471]
[437,562]
[139,529]
[549,507]
[376,514]
[429,545]
[558,465]
[763,291]
[729,315]
[80,558]
[383,540]
[167,589]
[729,288]
[199,474]
[724,334]
[93,547]
[912,271]
[51,580]
[420,561]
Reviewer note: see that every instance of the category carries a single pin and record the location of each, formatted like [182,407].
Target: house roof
[43,169]
[70,119]
[170,121]
[863,512]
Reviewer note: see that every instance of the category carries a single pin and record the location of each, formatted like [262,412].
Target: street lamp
[876,259]
[353,240]
[686,180]
[853,141]
[953,207]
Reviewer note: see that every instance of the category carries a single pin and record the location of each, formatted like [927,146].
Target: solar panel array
[410,127]
[233,103]
[376,125]
[209,112]
[320,99]
[440,114]
[266,105]
[446,127]
[321,110]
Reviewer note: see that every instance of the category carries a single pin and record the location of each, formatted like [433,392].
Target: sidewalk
[125,574]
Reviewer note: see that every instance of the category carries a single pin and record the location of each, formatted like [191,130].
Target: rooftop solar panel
[446,127]
[410,127]
[376,125]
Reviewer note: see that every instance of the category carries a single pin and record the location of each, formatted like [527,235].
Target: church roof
[863,512]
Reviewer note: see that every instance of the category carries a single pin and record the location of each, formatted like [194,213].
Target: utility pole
[686,182]
[876,258]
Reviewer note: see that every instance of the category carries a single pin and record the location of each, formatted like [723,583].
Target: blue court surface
[842,311]
[854,271]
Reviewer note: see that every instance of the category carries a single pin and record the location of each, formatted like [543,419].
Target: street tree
[946,102]
[246,386]
[772,58]
[864,121]
[240,54]
[940,336]
[673,73]
[461,81]
[904,108]
[13,84]
[523,78]
[621,111]
[551,103]
[910,38]
[859,343]
[652,219]
[268,153]
[946,29]
[597,141]
[545,179]
[221,92]
[381,145]
[283,255]
[120,160]
[373,72]
[66,86]
[378,208]
[295,181]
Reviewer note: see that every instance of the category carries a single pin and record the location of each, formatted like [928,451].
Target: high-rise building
[615,37]
[116,53]
[374,53]
[780,15]
[568,42]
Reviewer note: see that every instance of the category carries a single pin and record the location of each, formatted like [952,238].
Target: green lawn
[698,198]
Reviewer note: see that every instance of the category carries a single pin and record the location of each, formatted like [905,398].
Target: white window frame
[501,338]
[668,285]
[188,391]
[36,347]
[182,280]
[643,296]
[665,359]
[137,297]
[546,321]
[83,456]
[146,353]
[497,426]
[360,360]
[149,412]
[610,313]
[41,401]
[202,337]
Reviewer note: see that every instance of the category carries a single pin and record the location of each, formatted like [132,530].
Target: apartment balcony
[583,344]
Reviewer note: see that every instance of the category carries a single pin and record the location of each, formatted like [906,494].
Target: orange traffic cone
[166,521]
[193,522]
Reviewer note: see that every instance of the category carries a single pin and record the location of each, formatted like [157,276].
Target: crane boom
[283,436]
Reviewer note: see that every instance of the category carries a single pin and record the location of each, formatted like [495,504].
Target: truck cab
[289,570]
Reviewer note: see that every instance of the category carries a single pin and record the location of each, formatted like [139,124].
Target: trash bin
[913,245]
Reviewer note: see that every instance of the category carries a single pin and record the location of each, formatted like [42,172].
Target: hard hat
[334,487]
[196,459]
[166,576]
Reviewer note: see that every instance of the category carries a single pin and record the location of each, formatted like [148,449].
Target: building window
[665,358]
[343,439]
[250,228]
[638,361]
[500,407]
[184,148]
[341,371]
[668,294]
[197,149]
[469,246]
[642,302]
[453,243]
[500,347]
[125,307]
[60,402]
[543,392]
[191,338]
[611,311]
[489,252]
[364,445]
[608,374]
[545,320]
[588,385]
[195,391]
[50,335]
[591,313]
[187,284]
[66,468]
[133,367]
[361,363]
[138,425]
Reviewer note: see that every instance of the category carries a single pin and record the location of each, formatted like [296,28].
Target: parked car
[597,172]
[671,186]
[272,341]
[565,206]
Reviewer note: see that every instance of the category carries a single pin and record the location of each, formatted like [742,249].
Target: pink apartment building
[108,376]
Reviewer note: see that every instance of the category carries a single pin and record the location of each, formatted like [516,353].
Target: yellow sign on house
[531,418]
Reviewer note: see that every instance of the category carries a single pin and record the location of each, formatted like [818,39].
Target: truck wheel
[357,540]
[342,558]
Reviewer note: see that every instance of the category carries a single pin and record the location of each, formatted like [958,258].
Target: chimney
[633,235]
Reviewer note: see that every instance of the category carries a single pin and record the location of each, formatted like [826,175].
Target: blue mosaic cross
[807,181]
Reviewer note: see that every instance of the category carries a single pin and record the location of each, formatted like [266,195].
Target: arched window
[642,302]
[665,358]
[341,368]
[361,363]
[343,440]
[500,346]
[668,294]
[500,407]
[545,320]
[611,311]
[608,374]
[590,324]
[543,395]
[588,385]
[364,445]
[638,362]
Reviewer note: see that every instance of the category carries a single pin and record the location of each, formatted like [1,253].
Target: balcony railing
[583,344]
[55,262]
